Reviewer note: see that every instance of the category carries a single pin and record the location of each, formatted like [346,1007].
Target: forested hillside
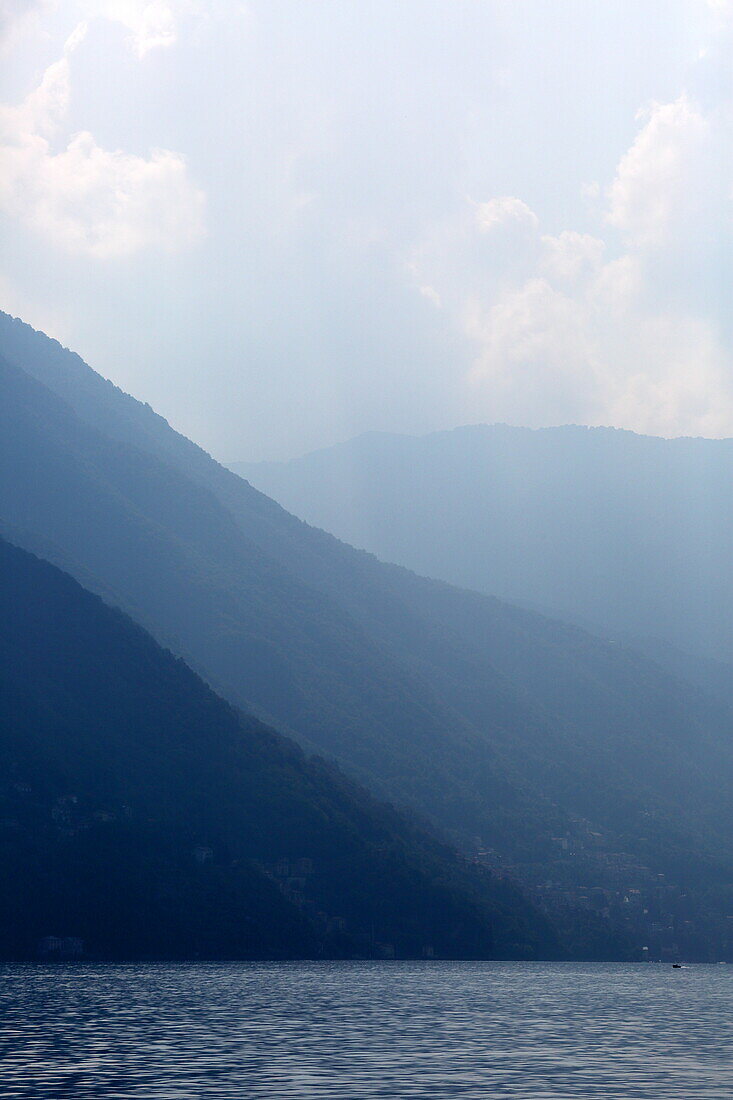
[142,815]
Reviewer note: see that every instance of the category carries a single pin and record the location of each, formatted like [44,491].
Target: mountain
[576,765]
[631,535]
[144,816]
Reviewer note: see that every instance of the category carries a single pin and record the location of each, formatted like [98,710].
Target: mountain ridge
[601,525]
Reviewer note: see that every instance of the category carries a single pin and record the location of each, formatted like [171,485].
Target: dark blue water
[349,1030]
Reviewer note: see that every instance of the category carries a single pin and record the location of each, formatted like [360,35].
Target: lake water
[351,1030]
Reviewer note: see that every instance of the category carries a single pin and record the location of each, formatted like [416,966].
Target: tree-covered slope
[576,762]
[142,814]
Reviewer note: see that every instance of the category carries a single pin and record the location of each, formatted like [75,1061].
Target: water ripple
[366,1030]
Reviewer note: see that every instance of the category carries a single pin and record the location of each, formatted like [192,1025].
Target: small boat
[677,966]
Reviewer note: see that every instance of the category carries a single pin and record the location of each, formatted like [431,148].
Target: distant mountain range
[579,767]
[630,535]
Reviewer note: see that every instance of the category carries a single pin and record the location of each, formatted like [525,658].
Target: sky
[284,223]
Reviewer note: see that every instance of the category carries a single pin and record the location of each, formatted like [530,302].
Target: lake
[350,1030]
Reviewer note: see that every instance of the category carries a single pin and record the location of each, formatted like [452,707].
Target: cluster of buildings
[610,896]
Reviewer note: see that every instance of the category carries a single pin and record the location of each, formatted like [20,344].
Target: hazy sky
[285,223]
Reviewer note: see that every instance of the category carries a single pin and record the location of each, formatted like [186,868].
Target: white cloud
[669,184]
[76,37]
[566,330]
[84,198]
[500,211]
[533,349]
[597,356]
[567,257]
[431,294]
[101,203]
[155,24]
[151,23]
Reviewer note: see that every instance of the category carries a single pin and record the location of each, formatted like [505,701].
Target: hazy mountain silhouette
[630,534]
[576,761]
[145,816]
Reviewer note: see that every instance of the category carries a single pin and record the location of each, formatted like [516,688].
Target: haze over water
[350,1030]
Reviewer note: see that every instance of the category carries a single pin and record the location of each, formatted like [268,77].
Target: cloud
[669,184]
[76,37]
[500,211]
[100,203]
[89,200]
[152,25]
[431,294]
[621,330]
[570,255]
[534,348]
[596,355]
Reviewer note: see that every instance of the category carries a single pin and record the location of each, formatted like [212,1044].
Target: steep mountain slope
[629,532]
[143,815]
[172,556]
[579,763]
